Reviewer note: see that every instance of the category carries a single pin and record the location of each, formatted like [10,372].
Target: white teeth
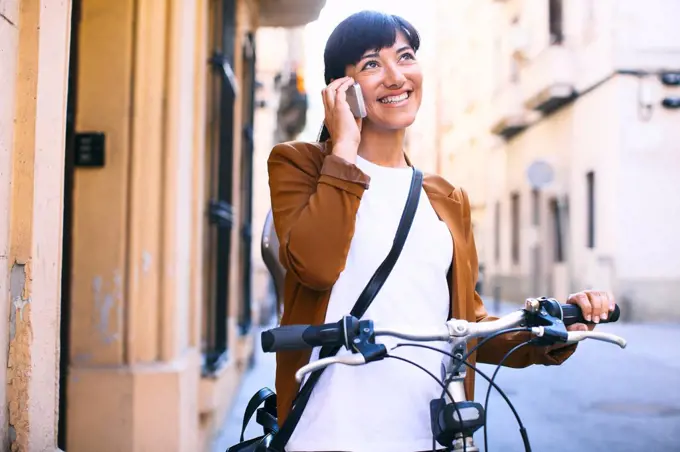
[394,99]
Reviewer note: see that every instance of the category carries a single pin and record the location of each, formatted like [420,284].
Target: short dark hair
[362,31]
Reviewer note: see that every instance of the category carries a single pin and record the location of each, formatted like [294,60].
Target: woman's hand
[594,305]
[344,128]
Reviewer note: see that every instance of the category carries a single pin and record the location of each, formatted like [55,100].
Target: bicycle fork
[454,422]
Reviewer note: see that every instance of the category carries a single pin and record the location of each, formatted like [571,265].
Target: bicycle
[454,420]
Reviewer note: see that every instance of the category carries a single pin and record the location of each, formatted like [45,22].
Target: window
[219,181]
[497,232]
[514,69]
[247,148]
[535,207]
[590,22]
[498,64]
[590,182]
[556,22]
[556,215]
[515,207]
[514,59]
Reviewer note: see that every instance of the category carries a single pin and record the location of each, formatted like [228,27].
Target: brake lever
[363,347]
[573,337]
[577,336]
[355,359]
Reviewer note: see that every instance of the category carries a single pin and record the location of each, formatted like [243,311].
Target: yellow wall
[139,223]
[34,46]
[138,266]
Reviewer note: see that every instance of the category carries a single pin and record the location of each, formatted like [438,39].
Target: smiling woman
[338,205]
[385,49]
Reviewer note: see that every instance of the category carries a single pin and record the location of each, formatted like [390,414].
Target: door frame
[247,150]
[67,228]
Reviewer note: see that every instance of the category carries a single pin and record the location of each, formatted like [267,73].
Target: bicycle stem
[456,388]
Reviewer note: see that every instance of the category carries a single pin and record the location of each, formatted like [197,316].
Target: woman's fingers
[328,94]
[595,305]
[334,95]
[608,304]
[581,300]
[341,91]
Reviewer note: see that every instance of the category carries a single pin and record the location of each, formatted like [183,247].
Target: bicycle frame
[463,413]
[455,375]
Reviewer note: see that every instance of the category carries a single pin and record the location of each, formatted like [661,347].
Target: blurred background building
[560,119]
[133,187]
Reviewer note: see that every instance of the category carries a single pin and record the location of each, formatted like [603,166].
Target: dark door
[66,254]
[248,105]
[224,89]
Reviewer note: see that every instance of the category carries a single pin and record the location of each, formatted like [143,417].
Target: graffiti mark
[105,305]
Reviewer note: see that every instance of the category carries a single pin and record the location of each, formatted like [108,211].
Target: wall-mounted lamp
[670,78]
[671,103]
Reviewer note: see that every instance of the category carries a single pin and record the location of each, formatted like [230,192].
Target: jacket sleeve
[493,351]
[314,211]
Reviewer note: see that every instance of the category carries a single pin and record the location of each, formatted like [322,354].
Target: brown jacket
[315,196]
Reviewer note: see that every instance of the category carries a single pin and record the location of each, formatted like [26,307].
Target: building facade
[560,120]
[126,179]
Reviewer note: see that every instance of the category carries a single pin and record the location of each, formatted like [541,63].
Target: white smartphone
[355,99]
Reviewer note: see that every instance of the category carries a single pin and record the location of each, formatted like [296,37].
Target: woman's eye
[370,65]
[408,56]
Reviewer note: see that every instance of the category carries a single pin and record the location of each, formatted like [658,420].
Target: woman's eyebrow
[370,55]
[375,54]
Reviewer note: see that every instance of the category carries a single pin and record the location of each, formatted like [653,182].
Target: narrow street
[602,399]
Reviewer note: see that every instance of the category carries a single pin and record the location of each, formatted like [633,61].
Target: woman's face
[391,83]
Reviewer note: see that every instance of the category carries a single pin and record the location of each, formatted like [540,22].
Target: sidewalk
[259,376]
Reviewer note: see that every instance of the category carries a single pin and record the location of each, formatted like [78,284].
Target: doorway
[67,228]
[223,89]
[557,235]
[247,149]
[537,270]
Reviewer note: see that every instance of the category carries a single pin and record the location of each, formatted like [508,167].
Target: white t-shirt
[384,406]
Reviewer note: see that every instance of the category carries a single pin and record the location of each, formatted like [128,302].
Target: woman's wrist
[346,151]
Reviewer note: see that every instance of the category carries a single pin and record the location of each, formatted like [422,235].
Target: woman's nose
[394,78]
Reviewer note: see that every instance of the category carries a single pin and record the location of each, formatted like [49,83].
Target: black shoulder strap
[262,395]
[363,302]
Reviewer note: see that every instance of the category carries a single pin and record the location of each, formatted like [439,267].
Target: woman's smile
[395,100]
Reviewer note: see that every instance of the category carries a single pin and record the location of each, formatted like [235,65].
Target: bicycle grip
[571,314]
[298,337]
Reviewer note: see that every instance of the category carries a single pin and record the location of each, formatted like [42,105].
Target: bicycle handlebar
[357,359]
[544,318]
[297,337]
[571,314]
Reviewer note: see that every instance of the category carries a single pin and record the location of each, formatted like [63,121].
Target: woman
[336,207]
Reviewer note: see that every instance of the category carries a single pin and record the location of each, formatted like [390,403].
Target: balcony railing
[508,116]
[548,82]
